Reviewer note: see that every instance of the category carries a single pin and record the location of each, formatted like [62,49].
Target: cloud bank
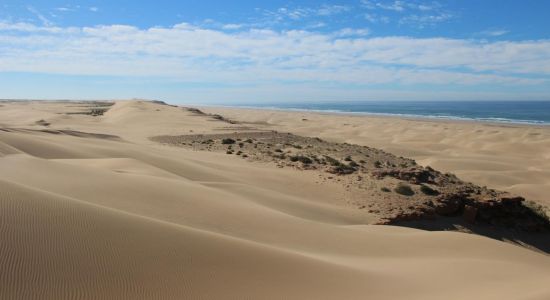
[344,58]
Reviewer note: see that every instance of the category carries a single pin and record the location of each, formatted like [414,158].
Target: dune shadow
[537,241]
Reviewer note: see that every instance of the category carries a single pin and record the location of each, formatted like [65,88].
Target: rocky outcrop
[415,175]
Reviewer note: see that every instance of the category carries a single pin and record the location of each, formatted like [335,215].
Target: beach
[104,200]
[511,157]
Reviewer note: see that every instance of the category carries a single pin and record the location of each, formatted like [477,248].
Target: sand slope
[508,157]
[90,217]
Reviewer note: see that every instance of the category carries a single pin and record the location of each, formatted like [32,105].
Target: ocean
[522,112]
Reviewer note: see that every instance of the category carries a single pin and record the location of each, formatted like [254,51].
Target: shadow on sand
[539,242]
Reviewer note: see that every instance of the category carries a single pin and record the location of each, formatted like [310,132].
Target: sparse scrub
[303,159]
[332,161]
[228,141]
[428,190]
[404,189]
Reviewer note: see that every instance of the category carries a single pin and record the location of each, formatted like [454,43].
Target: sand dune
[87,216]
[508,157]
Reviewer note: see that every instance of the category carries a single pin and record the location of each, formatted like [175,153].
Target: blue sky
[266,51]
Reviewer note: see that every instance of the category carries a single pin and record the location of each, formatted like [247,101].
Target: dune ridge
[88,217]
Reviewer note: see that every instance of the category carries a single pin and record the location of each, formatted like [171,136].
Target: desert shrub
[228,141]
[297,146]
[229,152]
[303,159]
[249,141]
[404,189]
[428,190]
[348,158]
[241,145]
[239,152]
[332,161]
[377,164]
[353,164]
[362,161]
[385,190]
[278,150]
[342,169]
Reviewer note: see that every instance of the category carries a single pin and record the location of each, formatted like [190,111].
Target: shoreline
[509,157]
[410,117]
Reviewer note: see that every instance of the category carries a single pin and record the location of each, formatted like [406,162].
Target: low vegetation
[228,141]
[404,189]
[428,190]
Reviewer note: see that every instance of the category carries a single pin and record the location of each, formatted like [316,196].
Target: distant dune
[92,208]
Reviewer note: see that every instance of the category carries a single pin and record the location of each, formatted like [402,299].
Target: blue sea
[522,112]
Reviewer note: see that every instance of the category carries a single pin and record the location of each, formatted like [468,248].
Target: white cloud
[93,9]
[189,53]
[347,32]
[418,14]
[327,10]
[400,6]
[422,21]
[494,32]
[300,13]
[232,26]
[373,18]
[395,6]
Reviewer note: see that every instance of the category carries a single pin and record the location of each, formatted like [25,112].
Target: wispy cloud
[418,14]
[93,9]
[422,21]
[374,18]
[494,32]
[298,13]
[395,6]
[400,6]
[232,26]
[45,21]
